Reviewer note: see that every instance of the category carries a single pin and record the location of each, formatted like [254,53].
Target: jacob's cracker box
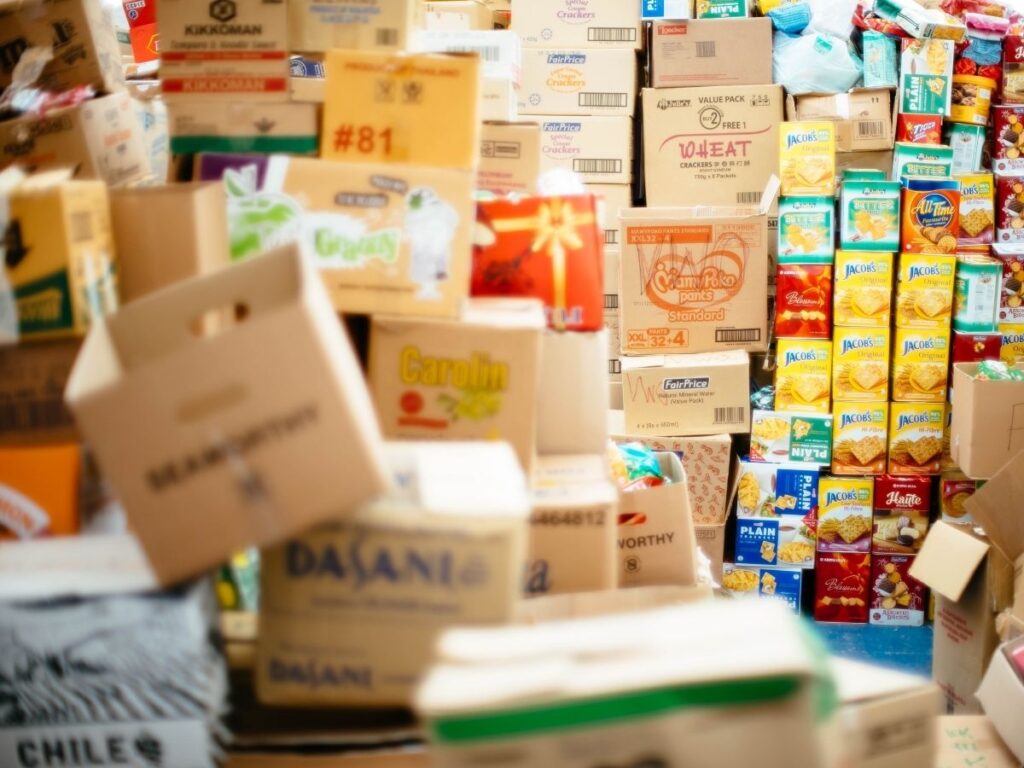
[924,291]
[863,289]
[931,215]
[806,230]
[920,361]
[915,438]
[807,158]
[860,364]
[1012,348]
[977,209]
[860,437]
[803,375]
[844,516]
[870,216]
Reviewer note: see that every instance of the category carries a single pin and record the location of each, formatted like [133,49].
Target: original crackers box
[863,289]
[860,364]
[920,364]
[803,375]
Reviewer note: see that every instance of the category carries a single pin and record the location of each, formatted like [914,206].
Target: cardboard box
[573,395]
[194,436]
[500,53]
[585,81]
[776,512]
[673,395]
[780,584]
[446,547]
[1002,694]
[612,199]
[243,126]
[606,602]
[509,158]
[419,109]
[599,23]
[100,138]
[879,160]
[706,459]
[711,542]
[315,26]
[710,146]
[84,44]
[715,298]
[457,15]
[192,217]
[987,430]
[963,740]
[60,259]
[32,381]
[863,117]
[573,525]
[39,491]
[407,254]
[710,52]
[611,317]
[599,149]
[472,379]
[499,100]
[223,51]
[151,112]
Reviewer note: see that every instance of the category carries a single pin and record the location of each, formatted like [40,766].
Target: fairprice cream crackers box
[559,81]
[590,23]
[599,149]
[350,611]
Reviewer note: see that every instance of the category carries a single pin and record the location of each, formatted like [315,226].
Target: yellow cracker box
[860,364]
[863,289]
[924,291]
[1012,349]
[803,375]
[915,438]
[860,437]
[844,517]
[807,158]
[920,361]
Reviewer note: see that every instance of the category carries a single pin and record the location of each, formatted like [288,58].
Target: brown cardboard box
[710,52]
[656,538]
[499,100]
[988,424]
[710,146]
[583,81]
[1002,695]
[599,149]
[612,200]
[974,579]
[572,526]
[84,44]
[32,381]
[578,605]
[509,159]
[609,23]
[243,126]
[711,541]
[695,279]
[476,378]
[573,394]
[100,138]
[880,160]
[168,233]
[457,15]
[207,453]
[298,757]
[970,741]
[611,317]
[350,611]
[864,118]
[315,26]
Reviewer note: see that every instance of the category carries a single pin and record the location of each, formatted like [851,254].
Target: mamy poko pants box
[776,510]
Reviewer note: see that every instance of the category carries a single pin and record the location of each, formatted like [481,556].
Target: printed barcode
[748,198]
[39,414]
[615,366]
[611,34]
[485,52]
[611,237]
[611,301]
[595,165]
[81,226]
[871,129]
[730,415]
[706,49]
[738,334]
[387,36]
[602,99]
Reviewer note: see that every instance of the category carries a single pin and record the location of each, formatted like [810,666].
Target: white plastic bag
[832,17]
[815,64]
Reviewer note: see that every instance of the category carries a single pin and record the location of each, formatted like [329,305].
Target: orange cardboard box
[39,491]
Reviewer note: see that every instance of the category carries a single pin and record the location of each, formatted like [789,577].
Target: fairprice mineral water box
[315,26]
[350,611]
[590,23]
[776,508]
[599,149]
[560,81]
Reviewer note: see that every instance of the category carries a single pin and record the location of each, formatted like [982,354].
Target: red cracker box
[841,587]
[902,506]
[897,598]
[803,303]
[919,129]
[975,347]
[548,248]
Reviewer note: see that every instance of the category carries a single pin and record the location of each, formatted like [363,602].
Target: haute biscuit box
[39,490]
[776,510]
[987,422]
[476,378]
[902,510]
[598,148]
[194,436]
[370,116]
[317,27]
[584,81]
[710,146]
[781,584]
[924,291]
[976,581]
[777,437]
[860,437]
[844,518]
[920,361]
[803,375]
[573,526]
[509,158]
[709,52]
[223,50]
[673,395]
[863,289]
[693,279]
[860,364]
[32,381]
[350,611]
[594,23]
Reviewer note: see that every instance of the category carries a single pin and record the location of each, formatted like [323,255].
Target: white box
[595,81]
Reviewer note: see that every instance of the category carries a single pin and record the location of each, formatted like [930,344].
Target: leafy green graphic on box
[257,221]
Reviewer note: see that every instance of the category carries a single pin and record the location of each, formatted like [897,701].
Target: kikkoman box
[584,81]
[694,279]
[315,26]
[350,611]
[596,23]
[476,378]
[207,453]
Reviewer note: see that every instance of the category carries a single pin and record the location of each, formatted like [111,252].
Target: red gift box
[897,598]
[1010,209]
[902,507]
[1011,297]
[548,248]
[841,587]
[975,347]
[919,129]
[1007,138]
[803,301]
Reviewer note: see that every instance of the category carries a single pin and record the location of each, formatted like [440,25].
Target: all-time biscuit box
[869,214]
[860,437]
[902,509]
[806,230]
[860,364]
[777,437]
[781,584]
[803,300]
[803,375]
[841,591]
[977,209]
[924,291]
[776,508]
[920,362]
[915,438]
[844,518]
[807,158]
[931,215]
[863,289]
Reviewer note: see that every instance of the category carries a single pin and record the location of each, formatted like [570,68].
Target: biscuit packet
[776,507]
[862,289]
[807,158]
[869,215]
[803,375]
[915,438]
[806,230]
[860,364]
[931,215]
[977,209]
[845,511]
[924,291]
[860,437]
[920,362]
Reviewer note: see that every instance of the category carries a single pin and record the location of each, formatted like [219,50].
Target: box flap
[948,559]
[640,363]
[996,507]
